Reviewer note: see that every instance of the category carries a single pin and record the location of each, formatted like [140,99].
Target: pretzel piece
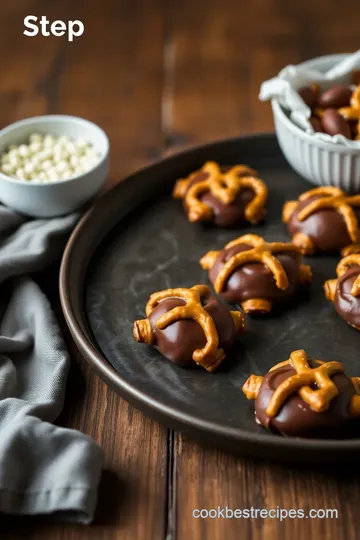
[319,399]
[349,250]
[260,251]
[343,267]
[354,408]
[252,386]
[256,305]
[225,186]
[352,112]
[304,242]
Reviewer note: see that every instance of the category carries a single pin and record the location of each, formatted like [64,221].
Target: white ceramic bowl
[322,163]
[64,196]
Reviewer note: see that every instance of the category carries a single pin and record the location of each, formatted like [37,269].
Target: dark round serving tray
[137,240]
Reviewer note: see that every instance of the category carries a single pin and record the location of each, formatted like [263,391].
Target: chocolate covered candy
[310,95]
[301,398]
[334,124]
[223,196]
[344,291]
[255,274]
[337,96]
[323,219]
[189,327]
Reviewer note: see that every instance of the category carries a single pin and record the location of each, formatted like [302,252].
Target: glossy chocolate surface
[296,418]
[347,305]
[225,215]
[326,227]
[179,340]
[254,280]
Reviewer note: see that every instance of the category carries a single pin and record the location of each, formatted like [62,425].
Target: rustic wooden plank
[218,54]
[113,76]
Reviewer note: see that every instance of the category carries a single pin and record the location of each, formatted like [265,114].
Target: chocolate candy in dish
[310,95]
[189,327]
[306,398]
[255,274]
[338,111]
[323,219]
[344,291]
[337,96]
[224,196]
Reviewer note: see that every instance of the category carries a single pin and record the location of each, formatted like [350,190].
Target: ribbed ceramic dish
[137,240]
[322,163]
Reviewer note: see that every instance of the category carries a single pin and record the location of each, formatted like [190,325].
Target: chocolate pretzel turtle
[223,196]
[344,291]
[323,219]
[256,274]
[189,326]
[301,398]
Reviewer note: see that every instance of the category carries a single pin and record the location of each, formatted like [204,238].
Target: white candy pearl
[46,165]
[81,143]
[67,174]
[15,161]
[49,141]
[61,167]
[71,148]
[35,138]
[28,168]
[23,150]
[52,173]
[74,161]
[35,148]
[41,177]
[20,173]
[13,153]
[8,169]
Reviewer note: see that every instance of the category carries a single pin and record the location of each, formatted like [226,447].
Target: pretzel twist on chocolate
[331,197]
[261,251]
[210,355]
[351,112]
[225,186]
[343,267]
[320,399]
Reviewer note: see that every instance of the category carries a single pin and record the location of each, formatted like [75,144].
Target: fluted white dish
[322,163]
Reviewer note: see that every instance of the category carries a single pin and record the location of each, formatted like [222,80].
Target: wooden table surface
[158,75]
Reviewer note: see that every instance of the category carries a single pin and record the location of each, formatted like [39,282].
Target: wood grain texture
[113,76]
[220,52]
[159,75]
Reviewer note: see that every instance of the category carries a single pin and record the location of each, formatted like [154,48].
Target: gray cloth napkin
[44,469]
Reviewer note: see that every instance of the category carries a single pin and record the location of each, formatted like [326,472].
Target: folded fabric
[44,469]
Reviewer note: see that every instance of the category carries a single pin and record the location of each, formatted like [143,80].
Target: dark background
[157,76]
